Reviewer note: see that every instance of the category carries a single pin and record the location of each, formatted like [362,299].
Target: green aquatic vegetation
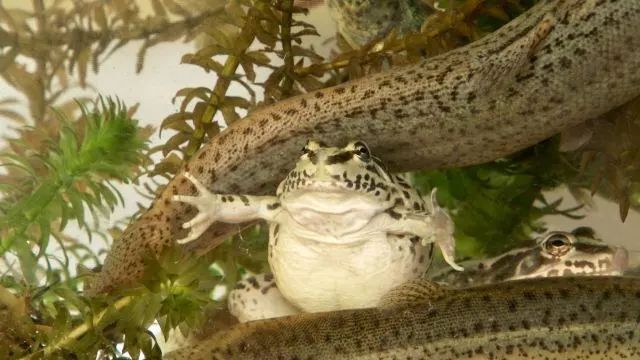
[69,174]
[497,206]
[59,322]
[609,163]
[66,40]
[272,25]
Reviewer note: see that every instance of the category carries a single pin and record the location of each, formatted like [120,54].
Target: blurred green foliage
[65,324]
[497,206]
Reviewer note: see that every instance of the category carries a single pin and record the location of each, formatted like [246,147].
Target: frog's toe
[199,186]
[431,202]
[447,247]
[200,220]
[453,264]
[195,230]
[258,297]
[189,238]
[185,199]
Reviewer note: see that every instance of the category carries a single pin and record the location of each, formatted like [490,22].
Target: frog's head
[333,180]
[560,253]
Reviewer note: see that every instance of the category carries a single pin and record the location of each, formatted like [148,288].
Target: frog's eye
[305,149]
[362,151]
[557,244]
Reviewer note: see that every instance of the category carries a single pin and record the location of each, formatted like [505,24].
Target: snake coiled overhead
[557,65]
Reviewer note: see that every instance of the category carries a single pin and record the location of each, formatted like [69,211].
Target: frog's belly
[324,277]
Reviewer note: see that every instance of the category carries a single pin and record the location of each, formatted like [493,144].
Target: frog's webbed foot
[207,205]
[442,229]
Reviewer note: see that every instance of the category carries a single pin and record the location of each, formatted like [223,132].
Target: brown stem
[42,42]
[244,40]
[285,33]
[41,63]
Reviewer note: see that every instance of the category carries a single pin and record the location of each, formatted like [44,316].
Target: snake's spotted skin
[579,318]
[555,66]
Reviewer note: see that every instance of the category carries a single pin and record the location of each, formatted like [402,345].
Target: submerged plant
[46,190]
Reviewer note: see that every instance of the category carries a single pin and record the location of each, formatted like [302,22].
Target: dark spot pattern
[542,330]
[598,37]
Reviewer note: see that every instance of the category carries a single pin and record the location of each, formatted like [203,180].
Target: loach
[558,253]
[569,318]
[343,231]
[560,63]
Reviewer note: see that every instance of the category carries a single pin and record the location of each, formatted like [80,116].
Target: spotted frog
[343,230]
[558,253]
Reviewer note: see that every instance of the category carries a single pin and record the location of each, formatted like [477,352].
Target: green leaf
[189,94]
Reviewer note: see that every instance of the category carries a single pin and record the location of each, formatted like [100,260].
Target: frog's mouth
[323,184]
[613,262]
[620,260]
[331,200]
[332,212]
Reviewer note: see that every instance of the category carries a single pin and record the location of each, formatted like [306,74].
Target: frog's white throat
[334,213]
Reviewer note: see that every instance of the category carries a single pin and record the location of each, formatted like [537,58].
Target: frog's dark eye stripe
[584,231]
[340,158]
[591,248]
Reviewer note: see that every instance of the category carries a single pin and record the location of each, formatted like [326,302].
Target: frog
[363,21]
[343,230]
[556,253]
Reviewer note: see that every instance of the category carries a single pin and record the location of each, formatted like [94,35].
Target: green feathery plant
[72,173]
[58,322]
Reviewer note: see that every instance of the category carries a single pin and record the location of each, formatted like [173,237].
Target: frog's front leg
[435,226]
[442,228]
[224,208]
[431,228]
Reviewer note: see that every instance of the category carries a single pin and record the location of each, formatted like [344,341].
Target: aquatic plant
[62,165]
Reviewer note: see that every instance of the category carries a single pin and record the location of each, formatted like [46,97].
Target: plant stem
[244,40]
[41,61]
[31,45]
[79,331]
[285,33]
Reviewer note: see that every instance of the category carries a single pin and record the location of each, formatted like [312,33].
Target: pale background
[163,75]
